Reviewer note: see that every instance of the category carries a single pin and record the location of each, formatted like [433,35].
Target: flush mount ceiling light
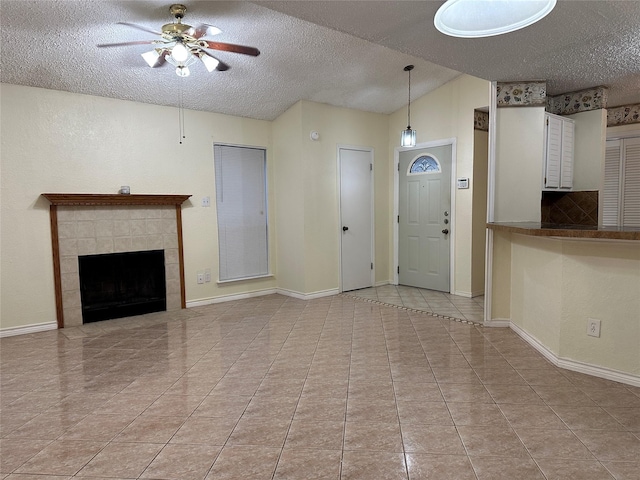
[486,18]
[408,136]
[182,45]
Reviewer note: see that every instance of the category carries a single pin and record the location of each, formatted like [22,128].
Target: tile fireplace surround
[91,224]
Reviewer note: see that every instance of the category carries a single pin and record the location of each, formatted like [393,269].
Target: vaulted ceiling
[344,53]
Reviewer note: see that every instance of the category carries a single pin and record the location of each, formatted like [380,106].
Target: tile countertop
[572,231]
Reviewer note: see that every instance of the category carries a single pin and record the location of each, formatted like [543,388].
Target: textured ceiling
[344,53]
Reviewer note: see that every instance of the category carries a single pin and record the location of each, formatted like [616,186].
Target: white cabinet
[558,152]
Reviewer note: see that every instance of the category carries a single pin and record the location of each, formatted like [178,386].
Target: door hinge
[398,268]
[371,265]
[398,166]
[547,121]
[371,167]
[398,218]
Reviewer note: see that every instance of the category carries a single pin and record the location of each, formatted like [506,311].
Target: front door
[425,217]
[356,214]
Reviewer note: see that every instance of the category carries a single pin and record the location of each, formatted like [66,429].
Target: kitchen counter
[570,231]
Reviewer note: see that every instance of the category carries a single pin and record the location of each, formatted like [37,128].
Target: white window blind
[241,203]
[621,193]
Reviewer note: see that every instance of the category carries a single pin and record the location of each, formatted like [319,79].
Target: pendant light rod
[408,68]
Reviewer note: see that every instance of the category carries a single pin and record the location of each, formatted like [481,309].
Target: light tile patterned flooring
[280,388]
[440,303]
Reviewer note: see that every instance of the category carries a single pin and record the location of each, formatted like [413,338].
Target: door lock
[446,221]
[445,231]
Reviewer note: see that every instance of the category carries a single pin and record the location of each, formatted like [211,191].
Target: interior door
[356,214]
[425,217]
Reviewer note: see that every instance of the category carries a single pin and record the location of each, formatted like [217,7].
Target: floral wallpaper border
[522,94]
[624,115]
[480,120]
[575,102]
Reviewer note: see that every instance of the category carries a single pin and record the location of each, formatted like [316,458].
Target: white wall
[519,157]
[590,144]
[448,112]
[61,142]
[556,285]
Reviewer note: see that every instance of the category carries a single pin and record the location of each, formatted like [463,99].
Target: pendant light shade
[408,136]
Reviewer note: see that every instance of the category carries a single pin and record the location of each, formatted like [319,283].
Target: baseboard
[463,294]
[40,327]
[307,296]
[576,365]
[382,283]
[498,322]
[230,298]
[535,343]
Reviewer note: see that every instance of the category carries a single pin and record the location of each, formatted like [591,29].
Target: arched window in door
[424,164]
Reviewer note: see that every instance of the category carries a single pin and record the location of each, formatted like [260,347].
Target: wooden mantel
[95,199]
[101,199]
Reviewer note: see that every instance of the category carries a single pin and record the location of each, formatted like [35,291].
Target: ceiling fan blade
[139,27]
[126,44]
[203,29]
[230,47]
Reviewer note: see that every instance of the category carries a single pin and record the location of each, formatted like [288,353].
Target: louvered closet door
[611,192]
[631,183]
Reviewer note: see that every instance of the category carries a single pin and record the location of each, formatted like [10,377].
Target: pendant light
[408,136]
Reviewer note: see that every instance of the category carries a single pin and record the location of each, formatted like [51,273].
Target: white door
[425,217]
[356,215]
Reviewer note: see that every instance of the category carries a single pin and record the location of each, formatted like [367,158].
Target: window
[424,164]
[241,202]
[621,192]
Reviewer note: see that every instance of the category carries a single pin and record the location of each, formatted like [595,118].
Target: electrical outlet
[207,275]
[593,327]
[200,277]
[206,201]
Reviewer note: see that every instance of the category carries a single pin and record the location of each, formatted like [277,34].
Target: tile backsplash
[570,208]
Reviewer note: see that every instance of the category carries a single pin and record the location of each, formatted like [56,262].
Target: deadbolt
[446,221]
[446,214]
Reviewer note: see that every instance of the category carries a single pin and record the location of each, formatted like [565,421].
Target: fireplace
[117,285]
[97,225]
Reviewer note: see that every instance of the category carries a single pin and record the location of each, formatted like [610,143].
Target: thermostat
[463,183]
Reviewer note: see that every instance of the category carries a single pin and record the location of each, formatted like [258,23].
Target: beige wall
[519,157]
[590,143]
[307,207]
[61,142]
[288,194]
[479,216]
[556,285]
[447,112]
[339,126]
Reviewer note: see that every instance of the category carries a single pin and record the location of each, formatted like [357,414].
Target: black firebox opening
[117,285]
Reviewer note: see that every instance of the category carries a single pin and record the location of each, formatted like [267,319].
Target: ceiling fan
[181,45]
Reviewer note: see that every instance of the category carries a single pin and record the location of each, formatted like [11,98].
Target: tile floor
[280,388]
[439,303]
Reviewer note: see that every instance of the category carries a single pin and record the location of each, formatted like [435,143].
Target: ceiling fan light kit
[182,45]
[486,18]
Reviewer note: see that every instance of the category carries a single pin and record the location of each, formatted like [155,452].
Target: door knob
[445,231]
[344,229]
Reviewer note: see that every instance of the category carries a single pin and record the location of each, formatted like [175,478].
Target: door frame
[396,204]
[371,152]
